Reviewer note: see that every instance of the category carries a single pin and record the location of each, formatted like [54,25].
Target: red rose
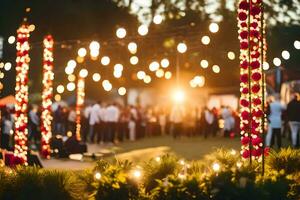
[245,140]
[244,78]
[255,64]
[244,102]
[244,64]
[245,90]
[246,154]
[256,101]
[256,141]
[254,24]
[242,16]
[244,45]
[244,5]
[254,33]
[255,10]
[244,34]
[256,76]
[255,88]
[245,115]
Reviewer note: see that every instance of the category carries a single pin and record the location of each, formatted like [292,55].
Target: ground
[144,149]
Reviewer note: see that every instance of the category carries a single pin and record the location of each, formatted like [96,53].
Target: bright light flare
[82,52]
[179,96]
[205,40]
[216,167]
[214,27]
[143,30]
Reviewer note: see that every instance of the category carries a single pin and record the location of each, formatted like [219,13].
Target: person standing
[293,115]
[112,118]
[275,123]
[176,118]
[85,122]
[7,126]
[209,122]
[228,121]
[94,121]
[72,121]
[34,122]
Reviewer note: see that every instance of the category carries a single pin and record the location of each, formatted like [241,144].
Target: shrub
[176,188]
[158,169]
[115,182]
[286,159]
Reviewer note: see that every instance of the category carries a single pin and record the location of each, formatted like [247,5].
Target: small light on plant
[157,159]
[239,164]
[216,167]
[181,162]
[97,175]
[137,174]
[181,176]
[233,152]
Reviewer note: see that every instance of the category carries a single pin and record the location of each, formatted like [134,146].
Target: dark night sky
[75,22]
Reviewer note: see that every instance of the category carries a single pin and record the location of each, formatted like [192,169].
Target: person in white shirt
[209,120]
[112,118]
[85,122]
[72,120]
[275,110]
[94,121]
[228,121]
[176,118]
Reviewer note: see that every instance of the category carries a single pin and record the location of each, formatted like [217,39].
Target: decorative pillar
[79,104]
[46,116]
[252,51]
[21,119]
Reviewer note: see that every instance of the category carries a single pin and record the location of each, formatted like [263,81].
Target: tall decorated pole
[79,104]
[46,116]
[252,51]
[21,106]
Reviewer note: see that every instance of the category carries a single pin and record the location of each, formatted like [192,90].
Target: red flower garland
[21,119]
[46,117]
[249,18]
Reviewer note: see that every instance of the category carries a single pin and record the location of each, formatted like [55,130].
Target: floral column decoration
[21,119]
[251,59]
[79,104]
[46,116]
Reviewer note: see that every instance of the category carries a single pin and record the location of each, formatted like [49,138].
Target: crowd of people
[112,123]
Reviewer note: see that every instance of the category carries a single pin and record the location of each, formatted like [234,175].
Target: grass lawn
[193,148]
[188,148]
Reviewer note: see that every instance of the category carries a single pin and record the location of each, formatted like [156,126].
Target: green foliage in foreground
[221,175]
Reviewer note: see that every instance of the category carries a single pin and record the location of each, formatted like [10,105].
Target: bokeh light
[105,60]
[7,66]
[141,75]
[214,27]
[205,40]
[181,47]
[82,52]
[266,66]
[121,33]
[122,91]
[71,86]
[157,19]
[147,79]
[297,44]
[11,39]
[231,55]
[132,47]
[168,75]
[83,73]
[143,30]
[154,66]
[71,77]
[134,60]
[60,89]
[285,54]
[216,69]
[277,62]
[118,67]
[204,64]
[159,73]
[96,77]
[164,63]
